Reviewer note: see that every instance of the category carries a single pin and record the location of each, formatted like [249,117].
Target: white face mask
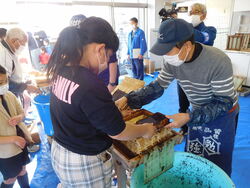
[102,66]
[19,50]
[4,89]
[174,59]
[196,20]
[133,27]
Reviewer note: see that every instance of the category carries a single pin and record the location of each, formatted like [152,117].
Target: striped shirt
[210,74]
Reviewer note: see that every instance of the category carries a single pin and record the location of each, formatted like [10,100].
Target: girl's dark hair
[2,70]
[68,49]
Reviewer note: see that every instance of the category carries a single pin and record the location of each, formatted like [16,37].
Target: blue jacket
[205,35]
[138,41]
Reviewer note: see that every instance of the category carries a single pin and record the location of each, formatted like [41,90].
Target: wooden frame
[239,42]
[132,159]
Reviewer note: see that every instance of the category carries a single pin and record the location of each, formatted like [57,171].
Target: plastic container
[42,103]
[188,171]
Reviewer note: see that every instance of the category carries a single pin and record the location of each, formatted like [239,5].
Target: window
[44,17]
[89,10]
[53,16]
[123,27]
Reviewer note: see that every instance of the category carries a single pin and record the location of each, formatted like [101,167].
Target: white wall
[154,6]
[241,17]
[6,16]
[242,5]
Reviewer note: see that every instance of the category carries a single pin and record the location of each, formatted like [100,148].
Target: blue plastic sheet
[44,176]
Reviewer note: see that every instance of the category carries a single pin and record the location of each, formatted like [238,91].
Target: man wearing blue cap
[206,76]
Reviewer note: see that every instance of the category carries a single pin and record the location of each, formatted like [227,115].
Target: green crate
[159,160]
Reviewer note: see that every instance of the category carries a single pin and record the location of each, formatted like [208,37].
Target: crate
[155,153]
[157,160]
[149,66]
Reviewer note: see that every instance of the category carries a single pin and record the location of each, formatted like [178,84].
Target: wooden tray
[132,158]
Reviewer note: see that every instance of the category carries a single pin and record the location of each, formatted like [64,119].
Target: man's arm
[209,112]
[16,87]
[19,88]
[205,37]
[136,99]
[224,95]
[154,90]
[223,99]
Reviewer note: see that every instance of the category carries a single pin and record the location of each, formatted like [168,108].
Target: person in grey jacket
[206,76]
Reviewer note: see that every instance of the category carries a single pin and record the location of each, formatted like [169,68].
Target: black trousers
[183,100]
[183,104]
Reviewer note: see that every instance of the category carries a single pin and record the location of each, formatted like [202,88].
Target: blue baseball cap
[171,32]
[76,20]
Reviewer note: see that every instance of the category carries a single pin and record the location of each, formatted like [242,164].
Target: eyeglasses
[195,12]
[21,42]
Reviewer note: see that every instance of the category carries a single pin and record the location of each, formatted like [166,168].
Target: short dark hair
[2,70]
[3,32]
[134,19]
[191,39]
[43,49]
[46,40]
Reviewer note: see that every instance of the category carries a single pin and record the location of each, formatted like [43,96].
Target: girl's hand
[15,120]
[19,141]
[150,130]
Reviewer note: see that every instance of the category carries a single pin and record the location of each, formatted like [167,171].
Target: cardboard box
[149,66]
